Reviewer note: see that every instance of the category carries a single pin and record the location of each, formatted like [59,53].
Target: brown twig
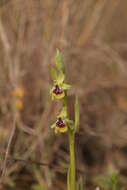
[7,50]
[44,164]
[92,22]
[8,149]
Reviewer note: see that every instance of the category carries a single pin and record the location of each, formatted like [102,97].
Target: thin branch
[8,149]
[92,22]
[7,50]
[44,164]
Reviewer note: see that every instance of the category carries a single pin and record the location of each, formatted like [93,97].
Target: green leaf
[68,179]
[80,184]
[40,185]
[53,73]
[77,114]
[59,60]
[108,182]
[66,86]
[103,181]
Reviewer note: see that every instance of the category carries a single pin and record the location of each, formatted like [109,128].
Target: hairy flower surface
[60,126]
[57,92]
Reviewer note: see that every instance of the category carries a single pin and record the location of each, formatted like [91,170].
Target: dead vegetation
[92,36]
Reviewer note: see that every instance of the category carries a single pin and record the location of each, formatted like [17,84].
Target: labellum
[58,93]
[61,126]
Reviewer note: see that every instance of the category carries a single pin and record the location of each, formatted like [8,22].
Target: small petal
[53,125]
[66,86]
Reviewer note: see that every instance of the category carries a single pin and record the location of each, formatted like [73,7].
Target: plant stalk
[72,159]
[72,150]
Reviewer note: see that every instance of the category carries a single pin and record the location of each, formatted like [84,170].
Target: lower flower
[60,126]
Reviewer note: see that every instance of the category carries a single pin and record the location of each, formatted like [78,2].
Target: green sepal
[63,113]
[53,73]
[51,89]
[66,86]
[77,114]
[59,60]
[110,181]
[53,125]
[60,78]
[70,124]
[80,184]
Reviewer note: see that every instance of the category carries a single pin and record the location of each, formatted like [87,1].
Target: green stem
[72,150]
[72,160]
[66,103]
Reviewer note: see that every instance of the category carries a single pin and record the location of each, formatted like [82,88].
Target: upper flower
[59,87]
[61,126]
[58,76]
[57,92]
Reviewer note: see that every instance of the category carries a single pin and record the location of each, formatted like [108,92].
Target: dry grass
[92,36]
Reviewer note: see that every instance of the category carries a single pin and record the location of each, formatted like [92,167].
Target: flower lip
[57,90]
[60,123]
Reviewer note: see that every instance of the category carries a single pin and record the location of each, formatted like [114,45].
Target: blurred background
[92,34]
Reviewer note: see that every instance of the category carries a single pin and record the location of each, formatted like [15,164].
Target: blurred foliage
[80,184]
[111,181]
[40,181]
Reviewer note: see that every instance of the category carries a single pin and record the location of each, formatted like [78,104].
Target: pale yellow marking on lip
[61,130]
